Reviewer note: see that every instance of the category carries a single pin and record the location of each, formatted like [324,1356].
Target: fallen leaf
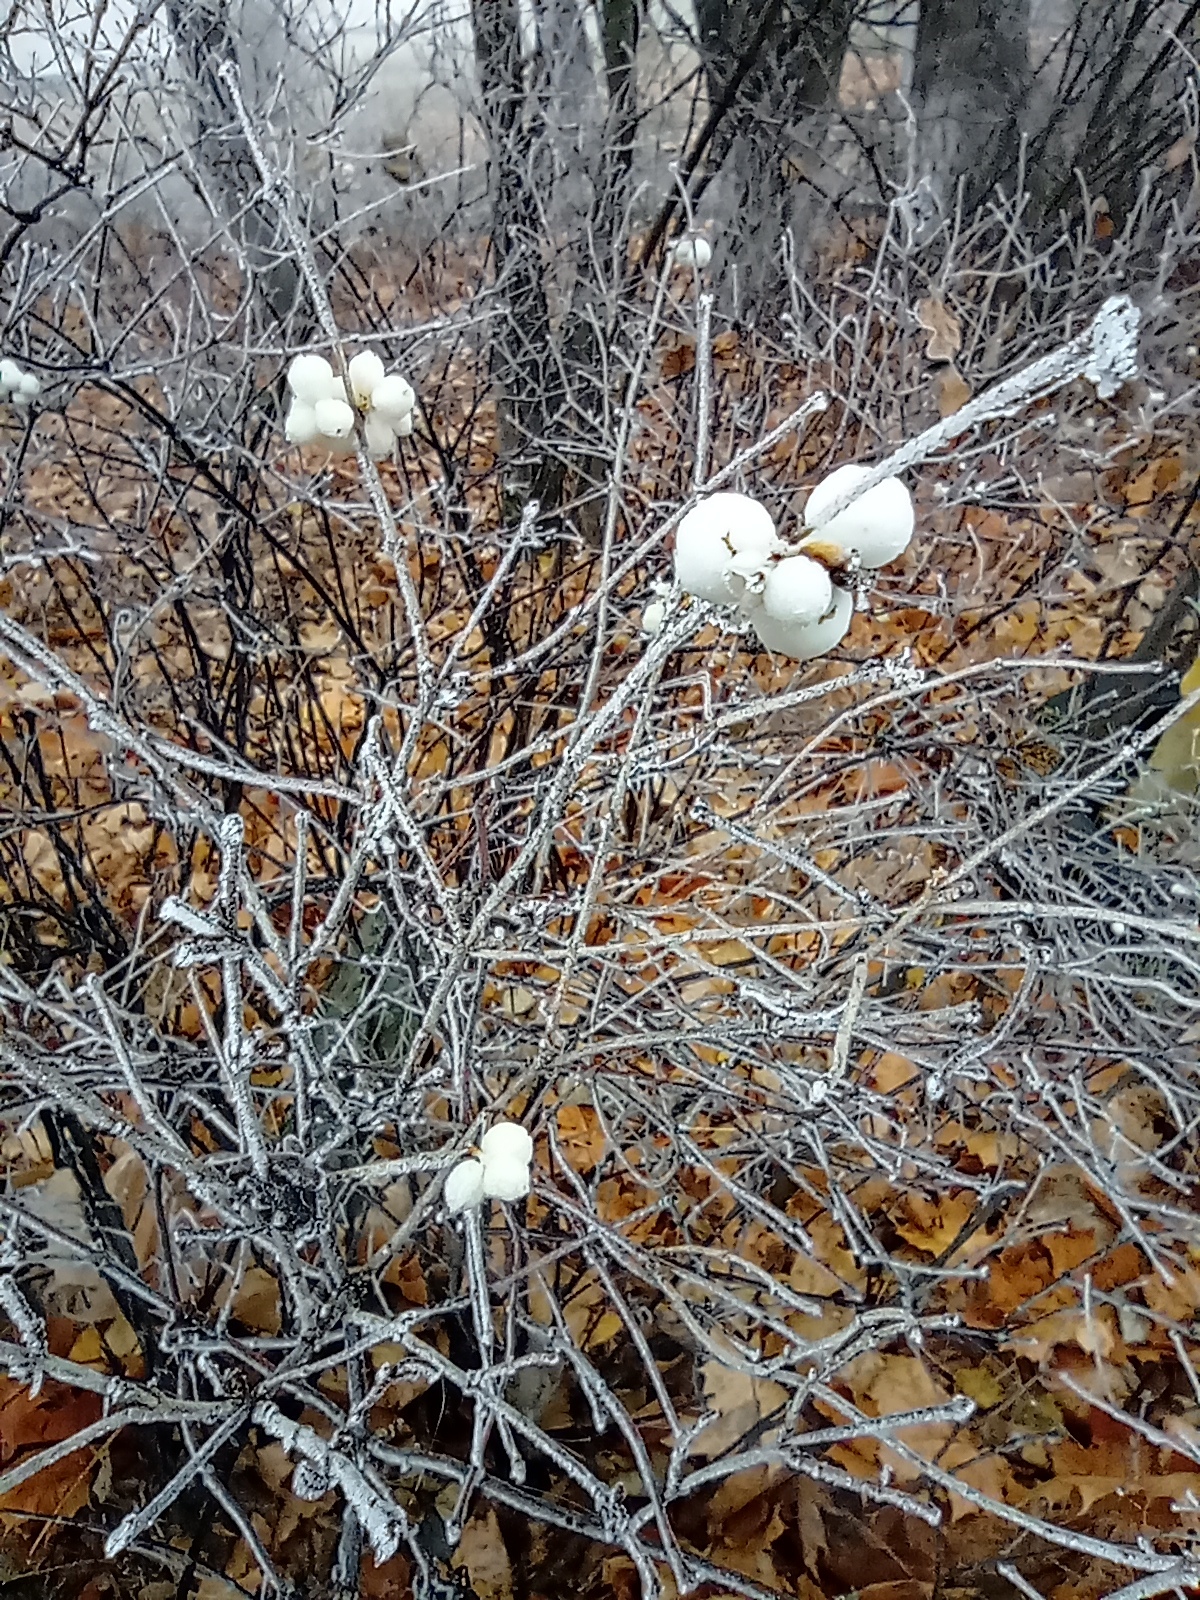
[737,1402]
[953,391]
[482,1552]
[980,1385]
[943,327]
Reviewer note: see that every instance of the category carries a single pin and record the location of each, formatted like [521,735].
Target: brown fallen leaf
[1182,150]
[482,1552]
[953,391]
[943,327]
[737,1402]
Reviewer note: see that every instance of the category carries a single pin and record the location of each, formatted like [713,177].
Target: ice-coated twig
[381,1519]
[1105,352]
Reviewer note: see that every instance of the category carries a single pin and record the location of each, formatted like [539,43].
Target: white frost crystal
[797,590]
[804,641]
[720,543]
[876,528]
[1114,354]
[464,1186]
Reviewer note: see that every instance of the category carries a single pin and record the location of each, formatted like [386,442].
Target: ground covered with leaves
[857,1043]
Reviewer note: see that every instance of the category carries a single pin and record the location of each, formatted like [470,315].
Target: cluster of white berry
[500,1173]
[17,387]
[692,251]
[321,414]
[727,551]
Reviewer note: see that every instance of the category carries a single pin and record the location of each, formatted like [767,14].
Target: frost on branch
[1114,354]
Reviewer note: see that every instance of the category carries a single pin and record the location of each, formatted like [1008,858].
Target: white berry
[797,590]
[366,374]
[805,641]
[505,1141]
[393,398]
[505,1178]
[876,528]
[380,437]
[464,1186]
[692,253]
[311,378]
[300,426]
[720,543]
[334,418]
[654,614]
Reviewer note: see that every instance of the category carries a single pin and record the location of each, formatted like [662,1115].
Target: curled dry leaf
[943,327]
[953,391]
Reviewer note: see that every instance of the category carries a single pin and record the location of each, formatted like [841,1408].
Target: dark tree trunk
[205,41]
[971,85]
[774,70]
[525,371]
[621,25]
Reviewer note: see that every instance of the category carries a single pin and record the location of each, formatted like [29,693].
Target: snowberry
[506,1178]
[334,418]
[311,378]
[300,425]
[876,528]
[692,253]
[654,614]
[366,374]
[797,590]
[464,1186]
[21,388]
[321,413]
[380,436]
[803,641]
[720,543]
[506,1141]
[393,398]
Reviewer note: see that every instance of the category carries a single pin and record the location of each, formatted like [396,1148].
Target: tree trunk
[621,29]
[971,84]
[778,69]
[524,369]
[205,41]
